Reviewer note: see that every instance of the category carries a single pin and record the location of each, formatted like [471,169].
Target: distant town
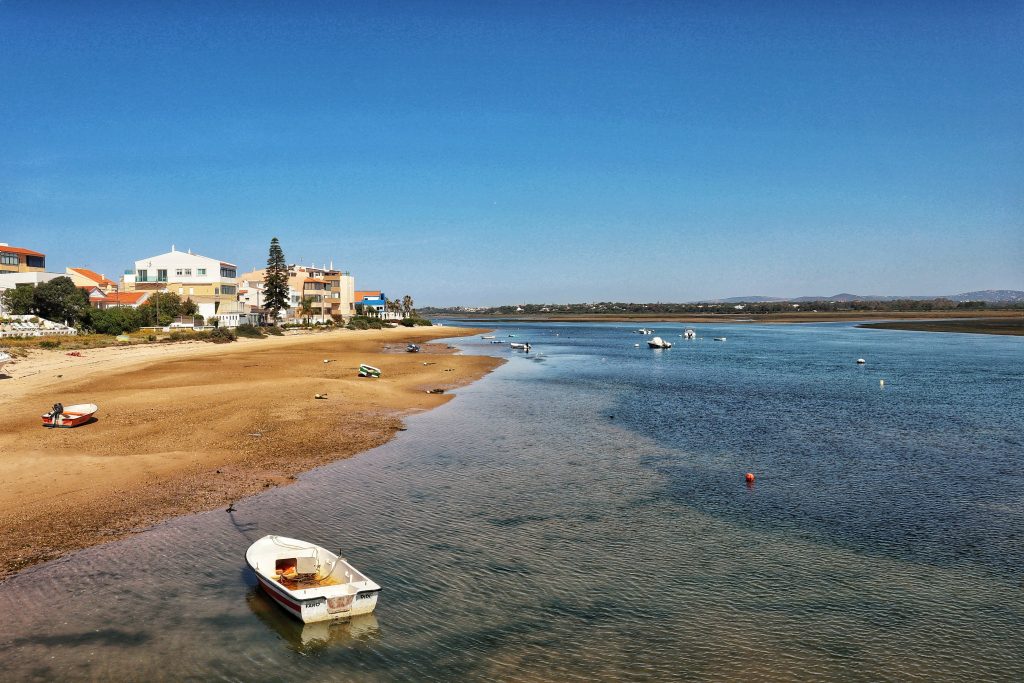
[193,290]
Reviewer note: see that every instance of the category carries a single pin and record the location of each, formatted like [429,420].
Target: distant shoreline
[796,317]
[1004,326]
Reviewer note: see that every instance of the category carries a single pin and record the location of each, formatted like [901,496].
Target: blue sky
[488,152]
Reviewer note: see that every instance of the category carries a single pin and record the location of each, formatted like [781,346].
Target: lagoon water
[581,514]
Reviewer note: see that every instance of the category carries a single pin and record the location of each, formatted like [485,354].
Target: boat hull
[72,416]
[317,609]
[339,593]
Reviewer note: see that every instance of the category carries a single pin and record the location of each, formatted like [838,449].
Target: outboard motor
[58,409]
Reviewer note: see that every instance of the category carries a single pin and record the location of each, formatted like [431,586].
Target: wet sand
[193,426]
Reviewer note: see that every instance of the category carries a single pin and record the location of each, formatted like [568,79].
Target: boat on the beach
[309,582]
[368,371]
[72,416]
[659,343]
[412,348]
[689,333]
[5,358]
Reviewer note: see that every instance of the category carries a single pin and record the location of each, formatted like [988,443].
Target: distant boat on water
[644,330]
[659,343]
[719,338]
[689,333]
[520,346]
[487,336]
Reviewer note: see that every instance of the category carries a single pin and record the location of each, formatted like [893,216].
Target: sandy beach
[192,426]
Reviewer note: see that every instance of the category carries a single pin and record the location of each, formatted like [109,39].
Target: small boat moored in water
[719,338]
[487,336]
[644,330]
[689,333]
[520,346]
[309,582]
[659,343]
[72,416]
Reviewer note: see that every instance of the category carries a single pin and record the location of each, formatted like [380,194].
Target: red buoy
[750,477]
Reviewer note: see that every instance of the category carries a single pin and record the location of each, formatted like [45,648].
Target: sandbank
[192,426]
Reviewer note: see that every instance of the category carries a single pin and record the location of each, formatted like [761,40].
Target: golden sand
[191,426]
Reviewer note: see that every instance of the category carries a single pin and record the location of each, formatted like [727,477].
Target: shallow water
[580,514]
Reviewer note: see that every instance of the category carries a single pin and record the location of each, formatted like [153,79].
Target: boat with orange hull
[72,416]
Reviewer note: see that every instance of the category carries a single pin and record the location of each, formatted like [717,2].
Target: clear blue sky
[490,152]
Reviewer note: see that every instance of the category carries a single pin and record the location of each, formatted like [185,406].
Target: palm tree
[306,308]
[407,305]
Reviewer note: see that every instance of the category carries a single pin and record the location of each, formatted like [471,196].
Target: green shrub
[49,344]
[250,331]
[274,330]
[375,325]
[221,335]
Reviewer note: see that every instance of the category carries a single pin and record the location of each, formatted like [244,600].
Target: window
[181,290]
[228,289]
[179,272]
[227,272]
[183,271]
[9,259]
[35,261]
[141,277]
[200,271]
[161,275]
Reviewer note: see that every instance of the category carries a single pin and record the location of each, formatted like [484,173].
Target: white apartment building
[211,283]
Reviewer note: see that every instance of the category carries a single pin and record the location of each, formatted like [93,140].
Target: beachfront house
[375,303]
[331,292]
[20,267]
[83,277]
[211,283]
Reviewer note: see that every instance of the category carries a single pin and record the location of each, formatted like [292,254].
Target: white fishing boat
[5,358]
[487,336]
[520,346]
[309,582]
[644,330]
[719,338]
[659,343]
[689,333]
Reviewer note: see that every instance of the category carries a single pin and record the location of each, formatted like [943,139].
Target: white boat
[689,333]
[644,330]
[309,582]
[487,336]
[72,416]
[659,343]
[719,338]
[5,358]
[861,361]
[520,347]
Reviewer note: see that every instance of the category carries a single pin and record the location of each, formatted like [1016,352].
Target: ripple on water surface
[582,517]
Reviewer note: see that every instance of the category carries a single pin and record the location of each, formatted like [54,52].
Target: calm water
[580,514]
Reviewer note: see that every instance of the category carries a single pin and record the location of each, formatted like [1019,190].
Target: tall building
[331,292]
[211,283]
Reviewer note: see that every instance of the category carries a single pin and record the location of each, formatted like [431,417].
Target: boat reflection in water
[317,636]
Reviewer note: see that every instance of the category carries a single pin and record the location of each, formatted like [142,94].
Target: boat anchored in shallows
[659,343]
[309,582]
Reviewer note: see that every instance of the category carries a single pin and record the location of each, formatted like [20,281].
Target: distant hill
[987,295]
[991,296]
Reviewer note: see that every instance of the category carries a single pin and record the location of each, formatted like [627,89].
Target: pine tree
[275,282]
